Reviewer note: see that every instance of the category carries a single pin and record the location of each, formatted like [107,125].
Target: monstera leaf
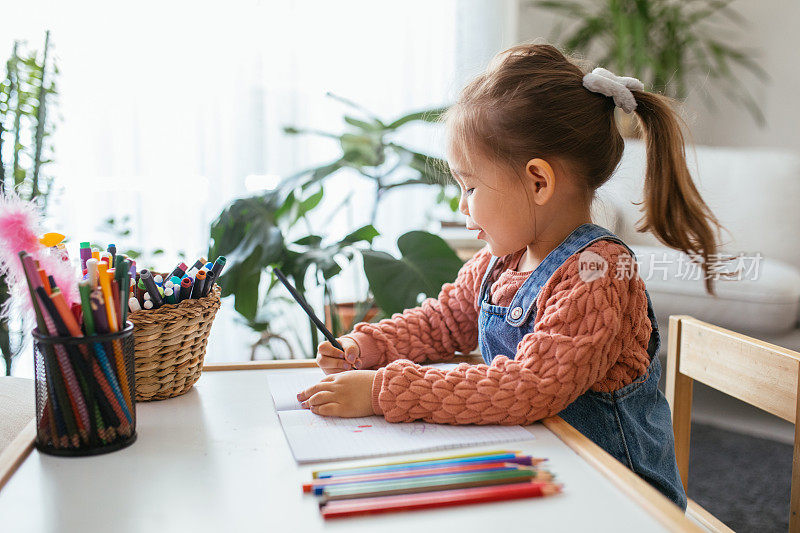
[426,264]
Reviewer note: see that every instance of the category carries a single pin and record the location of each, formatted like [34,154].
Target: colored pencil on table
[444,498]
[485,457]
[426,484]
[317,485]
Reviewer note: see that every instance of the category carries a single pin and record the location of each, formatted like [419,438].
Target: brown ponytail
[674,211]
[531,101]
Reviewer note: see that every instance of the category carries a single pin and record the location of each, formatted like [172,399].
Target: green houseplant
[670,45]
[26,129]
[252,232]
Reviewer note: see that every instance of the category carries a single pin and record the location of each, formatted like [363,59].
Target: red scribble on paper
[366,426]
[357,430]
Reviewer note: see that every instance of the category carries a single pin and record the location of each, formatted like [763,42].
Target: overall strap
[485,281]
[524,300]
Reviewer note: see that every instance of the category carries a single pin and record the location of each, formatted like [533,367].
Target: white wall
[773,29]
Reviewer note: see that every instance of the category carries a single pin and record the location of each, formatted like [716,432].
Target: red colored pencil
[401,474]
[429,500]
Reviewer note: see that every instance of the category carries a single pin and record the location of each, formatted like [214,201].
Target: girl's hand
[346,394]
[332,360]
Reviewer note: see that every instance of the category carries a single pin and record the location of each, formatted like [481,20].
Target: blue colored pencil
[510,457]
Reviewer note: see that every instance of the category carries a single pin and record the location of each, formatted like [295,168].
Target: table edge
[638,490]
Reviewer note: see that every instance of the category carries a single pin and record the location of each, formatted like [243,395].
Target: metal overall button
[516,313]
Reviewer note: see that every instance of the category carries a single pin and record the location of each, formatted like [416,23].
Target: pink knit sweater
[587,335]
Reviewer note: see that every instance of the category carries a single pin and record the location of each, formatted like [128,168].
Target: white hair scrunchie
[619,88]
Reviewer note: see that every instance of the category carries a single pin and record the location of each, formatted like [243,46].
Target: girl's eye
[469,191]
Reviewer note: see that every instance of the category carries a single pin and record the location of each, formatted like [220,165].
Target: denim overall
[633,423]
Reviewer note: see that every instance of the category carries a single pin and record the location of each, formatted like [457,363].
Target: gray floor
[742,480]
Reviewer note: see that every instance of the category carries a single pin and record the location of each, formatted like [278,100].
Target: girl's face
[495,202]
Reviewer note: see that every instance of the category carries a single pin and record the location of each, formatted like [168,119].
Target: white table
[215,459]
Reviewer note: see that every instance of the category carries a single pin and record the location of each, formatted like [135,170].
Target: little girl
[564,323]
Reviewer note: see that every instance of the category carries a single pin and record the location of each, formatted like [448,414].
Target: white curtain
[166,108]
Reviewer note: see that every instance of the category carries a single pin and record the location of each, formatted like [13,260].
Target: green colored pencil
[427,483]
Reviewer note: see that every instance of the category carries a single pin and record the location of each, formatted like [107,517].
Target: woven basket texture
[171,344]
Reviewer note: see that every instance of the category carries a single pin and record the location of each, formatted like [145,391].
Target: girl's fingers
[326,362]
[326,409]
[319,387]
[350,356]
[327,349]
[320,398]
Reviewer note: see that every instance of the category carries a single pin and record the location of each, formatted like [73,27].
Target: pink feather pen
[20,228]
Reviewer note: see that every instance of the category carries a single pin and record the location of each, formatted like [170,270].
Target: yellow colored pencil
[105,285]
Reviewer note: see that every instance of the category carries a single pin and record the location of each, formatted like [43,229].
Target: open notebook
[320,438]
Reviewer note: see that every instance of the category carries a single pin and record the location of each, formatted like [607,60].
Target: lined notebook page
[319,438]
[285,386]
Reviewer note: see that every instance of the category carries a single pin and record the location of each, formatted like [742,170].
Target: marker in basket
[179,271]
[219,264]
[209,283]
[152,289]
[91,271]
[186,289]
[86,254]
[141,290]
[300,300]
[112,249]
[199,283]
[133,305]
[199,263]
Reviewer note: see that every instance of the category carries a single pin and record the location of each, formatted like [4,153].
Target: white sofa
[755,194]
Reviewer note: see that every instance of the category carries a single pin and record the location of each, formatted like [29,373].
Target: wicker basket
[170,346]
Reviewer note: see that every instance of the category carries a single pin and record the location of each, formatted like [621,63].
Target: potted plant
[252,232]
[667,44]
[26,128]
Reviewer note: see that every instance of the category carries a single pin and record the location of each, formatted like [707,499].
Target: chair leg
[794,502]
[679,397]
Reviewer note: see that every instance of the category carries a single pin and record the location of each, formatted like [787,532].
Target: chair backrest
[757,372]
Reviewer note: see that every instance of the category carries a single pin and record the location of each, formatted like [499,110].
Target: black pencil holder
[85,393]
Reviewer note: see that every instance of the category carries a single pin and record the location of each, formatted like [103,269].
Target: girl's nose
[462,205]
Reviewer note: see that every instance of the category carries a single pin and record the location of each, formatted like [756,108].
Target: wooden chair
[754,371]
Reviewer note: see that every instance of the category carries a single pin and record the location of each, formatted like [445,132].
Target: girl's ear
[542,180]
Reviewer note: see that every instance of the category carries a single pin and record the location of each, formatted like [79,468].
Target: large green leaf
[364,233]
[362,150]
[246,298]
[430,115]
[426,264]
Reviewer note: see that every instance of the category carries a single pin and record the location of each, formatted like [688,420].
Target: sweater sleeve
[573,345]
[433,331]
